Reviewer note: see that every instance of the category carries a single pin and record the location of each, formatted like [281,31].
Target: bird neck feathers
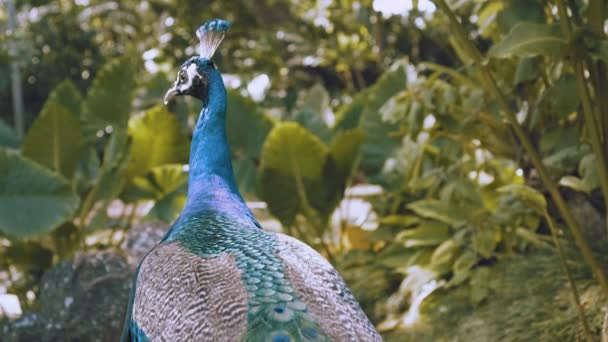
[211,184]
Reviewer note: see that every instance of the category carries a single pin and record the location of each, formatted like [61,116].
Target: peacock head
[193,76]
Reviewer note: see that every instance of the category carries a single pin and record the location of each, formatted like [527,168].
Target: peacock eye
[182,76]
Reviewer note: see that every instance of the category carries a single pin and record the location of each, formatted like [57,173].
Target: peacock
[217,275]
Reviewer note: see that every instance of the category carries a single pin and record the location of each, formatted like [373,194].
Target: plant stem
[591,114]
[575,294]
[16,84]
[551,187]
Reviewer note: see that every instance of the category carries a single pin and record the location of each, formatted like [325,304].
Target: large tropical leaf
[55,139]
[33,199]
[309,110]
[246,128]
[157,138]
[67,95]
[167,186]
[344,149]
[292,167]
[108,102]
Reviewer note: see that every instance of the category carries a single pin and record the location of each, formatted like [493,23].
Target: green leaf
[168,208]
[157,138]
[434,209]
[400,220]
[575,183]
[309,110]
[292,156]
[528,70]
[33,200]
[112,177]
[529,40]
[463,264]
[444,253]
[379,144]
[168,186]
[600,51]
[314,123]
[344,149]
[246,127]
[517,11]
[161,180]
[426,234]
[55,139]
[565,160]
[314,100]
[349,115]
[587,169]
[108,102]
[531,197]
[560,99]
[87,169]
[66,94]
[8,137]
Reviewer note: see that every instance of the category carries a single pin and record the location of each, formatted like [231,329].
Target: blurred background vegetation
[448,157]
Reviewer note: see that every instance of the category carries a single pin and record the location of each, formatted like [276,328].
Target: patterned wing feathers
[183,297]
[325,293]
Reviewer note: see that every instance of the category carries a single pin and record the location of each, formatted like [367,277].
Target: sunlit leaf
[436,210]
[157,138]
[427,234]
[400,220]
[444,253]
[531,197]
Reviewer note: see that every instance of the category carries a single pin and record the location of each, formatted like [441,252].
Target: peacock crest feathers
[211,35]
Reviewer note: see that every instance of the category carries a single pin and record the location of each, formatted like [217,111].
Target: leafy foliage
[55,139]
[34,200]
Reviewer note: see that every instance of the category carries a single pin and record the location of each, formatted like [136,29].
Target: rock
[141,238]
[85,299]
[81,300]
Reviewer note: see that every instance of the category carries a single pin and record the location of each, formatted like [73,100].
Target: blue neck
[212,187]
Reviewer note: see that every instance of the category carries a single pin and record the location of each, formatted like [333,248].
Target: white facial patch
[191,73]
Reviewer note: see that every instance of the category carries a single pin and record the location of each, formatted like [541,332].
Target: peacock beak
[171,93]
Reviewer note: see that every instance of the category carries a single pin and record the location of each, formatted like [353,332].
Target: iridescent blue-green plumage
[217,276]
